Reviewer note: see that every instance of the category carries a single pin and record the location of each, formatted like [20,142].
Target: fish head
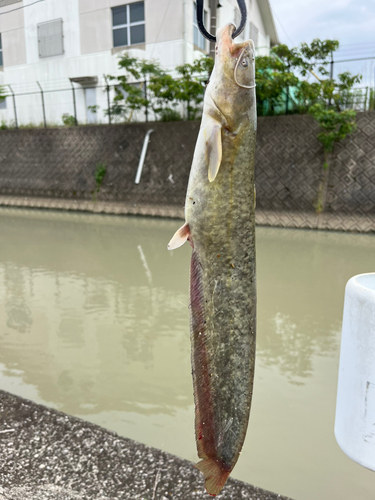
[233,77]
[235,61]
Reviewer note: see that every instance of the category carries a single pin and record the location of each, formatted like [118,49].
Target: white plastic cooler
[355,407]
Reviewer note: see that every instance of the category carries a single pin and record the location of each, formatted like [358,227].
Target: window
[128,24]
[4,3]
[1,53]
[254,34]
[199,40]
[50,38]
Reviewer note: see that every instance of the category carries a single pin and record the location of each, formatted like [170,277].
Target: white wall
[226,14]
[66,10]
[256,19]
[12,35]
[166,24]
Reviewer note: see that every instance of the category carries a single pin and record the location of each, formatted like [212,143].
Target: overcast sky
[349,21]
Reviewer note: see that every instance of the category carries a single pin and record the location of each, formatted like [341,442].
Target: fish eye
[245,63]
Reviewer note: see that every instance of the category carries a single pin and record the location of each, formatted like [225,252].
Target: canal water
[94,322]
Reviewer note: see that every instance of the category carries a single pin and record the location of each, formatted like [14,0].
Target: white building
[47,47]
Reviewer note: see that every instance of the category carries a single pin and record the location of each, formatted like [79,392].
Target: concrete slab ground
[298,219]
[45,454]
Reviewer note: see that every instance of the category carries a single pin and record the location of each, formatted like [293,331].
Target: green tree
[192,82]
[273,76]
[100,173]
[164,90]
[331,109]
[328,100]
[130,96]
[286,68]
[159,91]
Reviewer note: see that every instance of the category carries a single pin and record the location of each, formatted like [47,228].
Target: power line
[282,27]
[161,26]
[358,59]
[355,44]
[356,49]
[19,8]
[356,52]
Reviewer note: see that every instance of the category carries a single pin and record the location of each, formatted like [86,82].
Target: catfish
[220,226]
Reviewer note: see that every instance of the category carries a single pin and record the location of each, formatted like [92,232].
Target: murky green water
[94,322]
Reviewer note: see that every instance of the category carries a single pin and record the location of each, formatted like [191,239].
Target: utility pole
[331,76]
[287,94]
[43,105]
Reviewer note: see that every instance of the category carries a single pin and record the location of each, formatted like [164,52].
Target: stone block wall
[60,163]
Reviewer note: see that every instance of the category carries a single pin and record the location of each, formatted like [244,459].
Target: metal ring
[212,38]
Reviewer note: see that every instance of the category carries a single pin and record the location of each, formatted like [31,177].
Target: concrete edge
[291,219]
[98,207]
[46,454]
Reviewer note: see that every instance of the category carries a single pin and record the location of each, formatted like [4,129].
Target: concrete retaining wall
[60,164]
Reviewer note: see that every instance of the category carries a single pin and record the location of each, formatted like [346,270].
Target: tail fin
[215,475]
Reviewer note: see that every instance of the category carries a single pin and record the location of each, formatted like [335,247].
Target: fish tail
[215,475]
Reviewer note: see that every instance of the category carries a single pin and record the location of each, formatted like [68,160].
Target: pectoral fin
[213,151]
[179,237]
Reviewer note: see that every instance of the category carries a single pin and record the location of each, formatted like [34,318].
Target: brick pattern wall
[60,163]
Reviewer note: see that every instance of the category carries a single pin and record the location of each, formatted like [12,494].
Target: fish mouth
[224,36]
[226,45]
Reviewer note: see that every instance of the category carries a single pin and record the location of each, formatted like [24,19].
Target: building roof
[268,20]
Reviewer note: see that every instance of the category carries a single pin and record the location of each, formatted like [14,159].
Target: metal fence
[77,111]
[90,100]
[359,98]
[58,102]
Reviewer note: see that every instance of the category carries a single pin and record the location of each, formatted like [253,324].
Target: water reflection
[301,282]
[94,322]
[17,312]
[104,306]
[287,345]
[104,330]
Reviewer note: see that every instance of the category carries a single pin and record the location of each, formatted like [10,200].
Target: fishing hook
[212,38]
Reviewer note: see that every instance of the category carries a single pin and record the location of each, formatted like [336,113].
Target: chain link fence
[43,105]
[94,168]
[91,100]
[69,102]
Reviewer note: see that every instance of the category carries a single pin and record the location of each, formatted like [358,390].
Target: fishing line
[19,8]
[235,71]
